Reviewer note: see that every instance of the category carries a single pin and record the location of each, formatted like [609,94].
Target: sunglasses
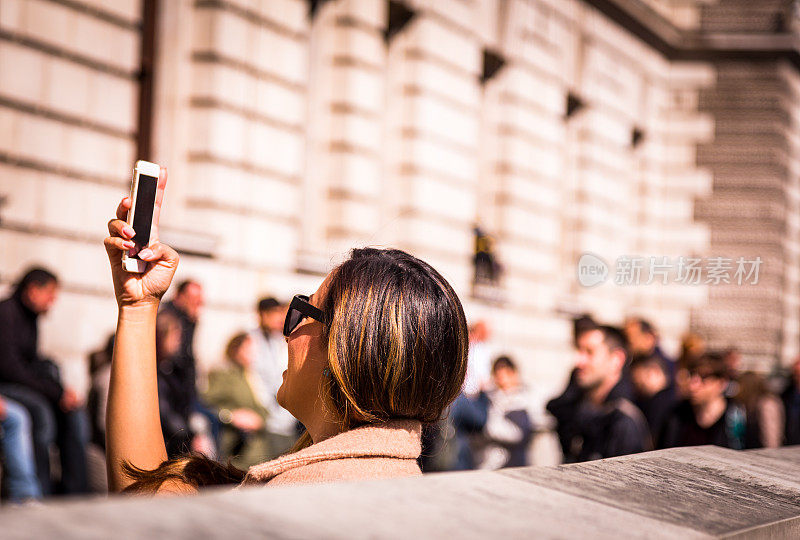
[703,376]
[299,309]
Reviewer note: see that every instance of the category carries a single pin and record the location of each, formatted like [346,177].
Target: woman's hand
[246,420]
[134,289]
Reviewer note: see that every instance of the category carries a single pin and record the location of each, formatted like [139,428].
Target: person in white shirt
[270,362]
[509,424]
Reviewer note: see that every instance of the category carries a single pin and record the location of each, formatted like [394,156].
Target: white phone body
[143,198]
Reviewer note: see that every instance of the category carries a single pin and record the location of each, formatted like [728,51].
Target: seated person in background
[764,410]
[604,422]
[16,447]
[35,383]
[654,395]
[231,390]
[791,405]
[100,375]
[509,427]
[706,416]
[469,410]
[175,405]
[269,363]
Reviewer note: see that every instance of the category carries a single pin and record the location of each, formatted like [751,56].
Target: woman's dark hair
[397,338]
[709,364]
[397,348]
[233,346]
[752,388]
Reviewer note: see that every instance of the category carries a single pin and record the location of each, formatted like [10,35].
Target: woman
[764,410]
[377,350]
[231,391]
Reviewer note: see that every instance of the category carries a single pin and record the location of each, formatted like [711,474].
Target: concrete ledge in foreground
[699,492]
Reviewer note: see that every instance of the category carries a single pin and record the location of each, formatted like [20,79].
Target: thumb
[159,252]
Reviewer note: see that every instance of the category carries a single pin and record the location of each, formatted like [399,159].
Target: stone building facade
[296,130]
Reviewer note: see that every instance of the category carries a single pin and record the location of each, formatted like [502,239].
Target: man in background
[604,422]
[271,359]
[35,382]
[186,307]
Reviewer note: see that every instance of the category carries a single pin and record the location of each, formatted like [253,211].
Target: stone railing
[699,492]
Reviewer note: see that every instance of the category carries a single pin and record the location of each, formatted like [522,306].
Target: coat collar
[393,439]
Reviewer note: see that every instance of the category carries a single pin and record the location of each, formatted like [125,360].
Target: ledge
[677,44]
[698,492]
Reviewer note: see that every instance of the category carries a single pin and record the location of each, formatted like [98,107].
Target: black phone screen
[143,214]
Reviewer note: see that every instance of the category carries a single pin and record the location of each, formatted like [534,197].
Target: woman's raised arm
[133,427]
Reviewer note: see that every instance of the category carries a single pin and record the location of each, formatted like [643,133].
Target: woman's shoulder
[382,450]
[347,470]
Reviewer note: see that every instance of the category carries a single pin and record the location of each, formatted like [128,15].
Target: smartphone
[140,216]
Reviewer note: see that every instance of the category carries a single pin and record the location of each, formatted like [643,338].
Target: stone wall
[753,210]
[291,139]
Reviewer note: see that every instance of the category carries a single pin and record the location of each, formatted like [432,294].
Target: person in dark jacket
[596,418]
[174,404]
[655,397]
[644,341]
[185,308]
[791,404]
[706,417]
[33,381]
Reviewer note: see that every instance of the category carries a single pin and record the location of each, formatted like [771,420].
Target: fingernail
[145,254]
[128,245]
[128,231]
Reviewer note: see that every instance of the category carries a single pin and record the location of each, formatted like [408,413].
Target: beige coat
[385,450]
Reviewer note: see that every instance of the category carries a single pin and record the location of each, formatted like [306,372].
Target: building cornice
[678,44]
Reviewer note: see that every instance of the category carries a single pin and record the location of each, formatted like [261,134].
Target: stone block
[22,73]
[361,89]
[22,189]
[280,55]
[445,43]
[356,131]
[367,11]
[430,115]
[355,173]
[436,197]
[68,88]
[274,148]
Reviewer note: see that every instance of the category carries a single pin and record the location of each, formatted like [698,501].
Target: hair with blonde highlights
[397,346]
[397,338]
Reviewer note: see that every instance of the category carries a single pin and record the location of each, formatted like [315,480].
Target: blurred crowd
[624,395]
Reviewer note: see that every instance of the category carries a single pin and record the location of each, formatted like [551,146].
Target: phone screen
[143,214]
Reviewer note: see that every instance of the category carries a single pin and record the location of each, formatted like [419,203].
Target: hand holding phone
[153,263]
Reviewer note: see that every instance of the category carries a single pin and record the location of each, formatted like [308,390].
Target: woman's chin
[279,397]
